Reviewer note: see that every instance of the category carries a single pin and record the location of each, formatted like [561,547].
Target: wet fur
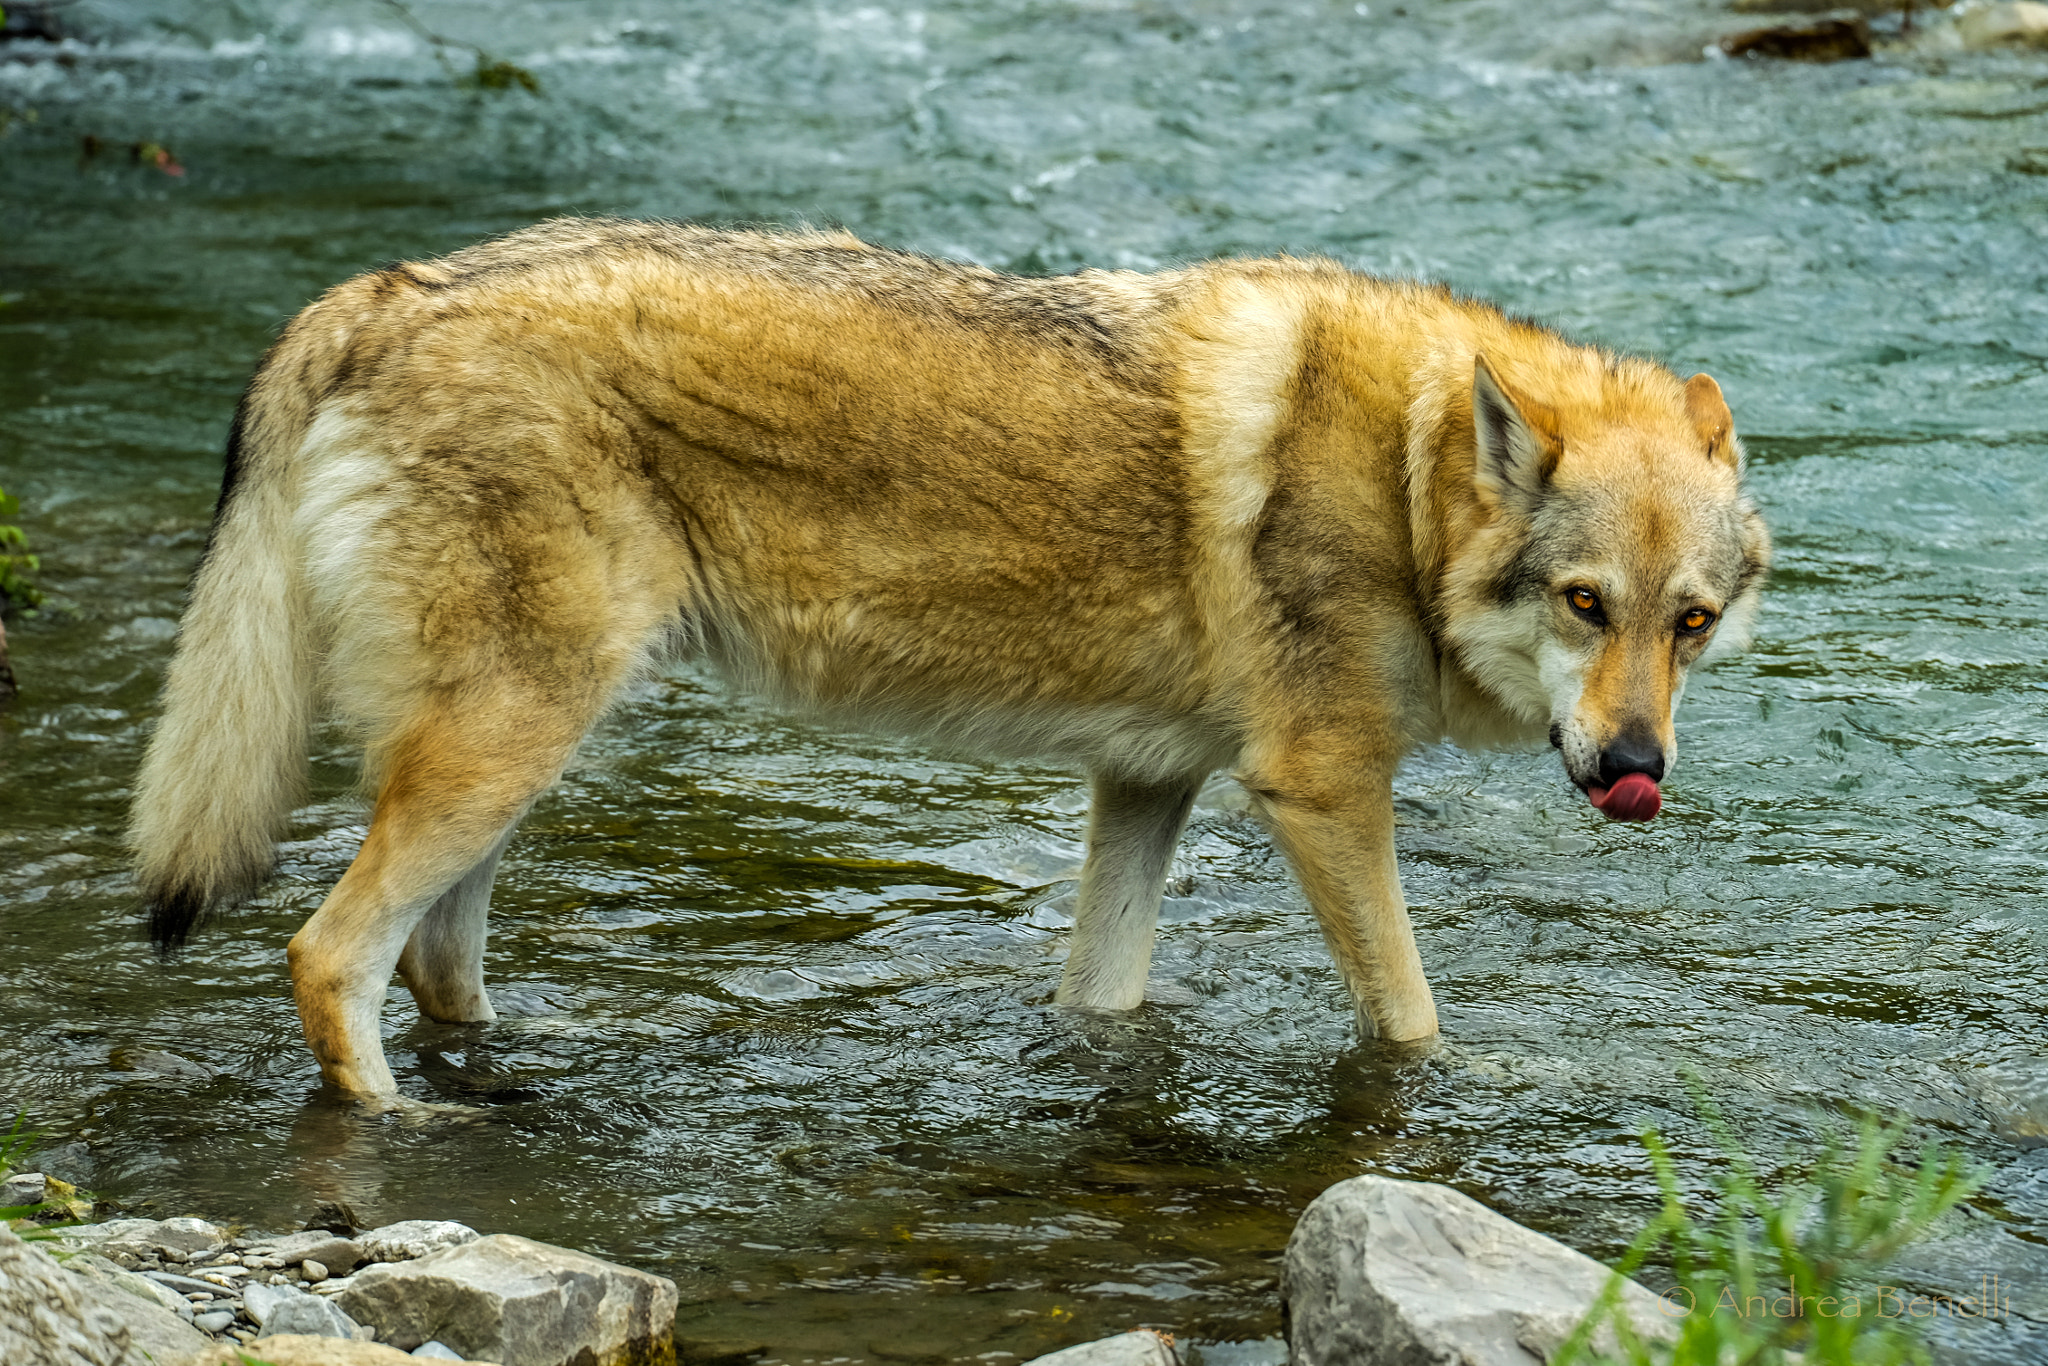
[1151,525]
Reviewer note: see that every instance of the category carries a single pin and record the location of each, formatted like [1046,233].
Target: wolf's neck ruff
[1265,514]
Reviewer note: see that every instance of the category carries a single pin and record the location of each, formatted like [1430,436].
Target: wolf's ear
[1712,420]
[1518,441]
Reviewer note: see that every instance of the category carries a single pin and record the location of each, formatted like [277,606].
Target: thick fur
[1270,514]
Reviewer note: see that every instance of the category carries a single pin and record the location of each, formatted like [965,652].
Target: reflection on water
[783,1027]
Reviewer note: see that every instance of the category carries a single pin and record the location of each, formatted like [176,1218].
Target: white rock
[1140,1348]
[412,1238]
[23,1188]
[314,1271]
[48,1316]
[2019,23]
[436,1351]
[522,1303]
[1397,1271]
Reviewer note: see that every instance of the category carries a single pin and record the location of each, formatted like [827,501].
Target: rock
[72,1161]
[1141,1348]
[521,1303]
[306,1315]
[215,1322]
[435,1351]
[1398,1271]
[98,1268]
[291,1350]
[24,1189]
[2023,23]
[283,1309]
[48,1317]
[332,1216]
[184,1285]
[314,1271]
[339,1255]
[153,1326]
[413,1238]
[1829,40]
[169,1239]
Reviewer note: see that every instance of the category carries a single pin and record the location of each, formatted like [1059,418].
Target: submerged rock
[1380,1270]
[1828,40]
[1141,1348]
[521,1303]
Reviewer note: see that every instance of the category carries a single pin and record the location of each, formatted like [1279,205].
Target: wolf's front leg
[1132,830]
[1337,828]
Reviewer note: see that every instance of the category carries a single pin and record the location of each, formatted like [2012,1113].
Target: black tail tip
[172,916]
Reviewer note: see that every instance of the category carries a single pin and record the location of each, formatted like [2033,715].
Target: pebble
[314,1271]
[215,1322]
[184,1285]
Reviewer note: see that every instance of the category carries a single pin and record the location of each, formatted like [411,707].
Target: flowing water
[787,1033]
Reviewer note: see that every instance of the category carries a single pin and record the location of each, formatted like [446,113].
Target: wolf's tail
[228,761]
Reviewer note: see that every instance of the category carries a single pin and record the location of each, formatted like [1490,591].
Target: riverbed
[785,1029]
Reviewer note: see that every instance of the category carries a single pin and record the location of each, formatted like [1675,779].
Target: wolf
[1272,515]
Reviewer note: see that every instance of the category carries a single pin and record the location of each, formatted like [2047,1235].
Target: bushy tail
[228,761]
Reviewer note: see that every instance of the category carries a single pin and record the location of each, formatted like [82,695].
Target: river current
[787,1033]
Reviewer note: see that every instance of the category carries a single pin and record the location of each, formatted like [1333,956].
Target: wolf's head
[1615,550]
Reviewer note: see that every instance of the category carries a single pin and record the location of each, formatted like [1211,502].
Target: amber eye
[1695,620]
[1583,599]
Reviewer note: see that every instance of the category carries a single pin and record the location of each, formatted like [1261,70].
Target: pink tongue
[1633,798]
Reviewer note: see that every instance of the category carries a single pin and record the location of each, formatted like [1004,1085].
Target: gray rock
[154,1325]
[24,1188]
[169,1239]
[258,1299]
[294,1311]
[1382,1271]
[113,1231]
[339,1255]
[437,1351]
[412,1238]
[314,1271]
[98,1268]
[521,1303]
[1140,1348]
[215,1322]
[49,1318]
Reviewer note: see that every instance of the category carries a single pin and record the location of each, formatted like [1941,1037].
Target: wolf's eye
[1583,600]
[1695,620]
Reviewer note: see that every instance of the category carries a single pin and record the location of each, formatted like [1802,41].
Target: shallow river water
[787,1033]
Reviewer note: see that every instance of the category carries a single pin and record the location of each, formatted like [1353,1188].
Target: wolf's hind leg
[443,962]
[1132,831]
[455,780]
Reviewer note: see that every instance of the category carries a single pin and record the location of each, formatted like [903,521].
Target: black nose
[1631,752]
